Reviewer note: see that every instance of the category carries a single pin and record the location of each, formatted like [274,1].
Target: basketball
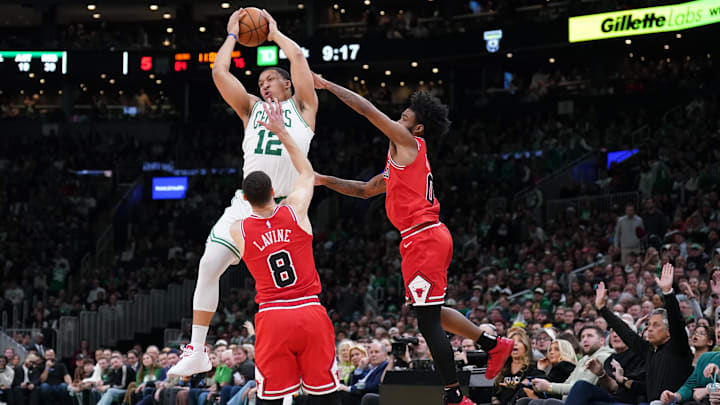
[253,28]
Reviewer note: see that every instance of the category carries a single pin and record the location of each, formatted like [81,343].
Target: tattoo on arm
[352,99]
[352,188]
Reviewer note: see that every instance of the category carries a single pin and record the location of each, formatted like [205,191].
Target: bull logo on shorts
[419,289]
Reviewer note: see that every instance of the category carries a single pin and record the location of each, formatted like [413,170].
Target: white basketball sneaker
[192,361]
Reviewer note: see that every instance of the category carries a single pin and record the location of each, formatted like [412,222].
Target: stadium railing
[560,177]
[604,202]
[109,325]
[7,342]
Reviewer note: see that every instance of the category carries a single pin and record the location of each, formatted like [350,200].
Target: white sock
[198,337]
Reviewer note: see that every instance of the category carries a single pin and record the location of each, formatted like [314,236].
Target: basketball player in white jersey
[262,151]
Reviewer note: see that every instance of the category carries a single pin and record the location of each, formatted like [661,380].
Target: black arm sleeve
[678,336]
[636,343]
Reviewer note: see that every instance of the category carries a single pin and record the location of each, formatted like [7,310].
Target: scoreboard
[36,61]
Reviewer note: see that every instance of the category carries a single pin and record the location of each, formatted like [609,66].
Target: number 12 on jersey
[270,145]
[281,267]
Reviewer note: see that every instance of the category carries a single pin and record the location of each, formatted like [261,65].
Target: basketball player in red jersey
[426,245]
[295,340]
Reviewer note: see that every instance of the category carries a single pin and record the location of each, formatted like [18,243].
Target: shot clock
[343,53]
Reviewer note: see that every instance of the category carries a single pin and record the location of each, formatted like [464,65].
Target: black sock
[453,395]
[487,342]
[428,318]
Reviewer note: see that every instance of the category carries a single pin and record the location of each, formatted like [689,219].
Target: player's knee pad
[332,398]
[214,261]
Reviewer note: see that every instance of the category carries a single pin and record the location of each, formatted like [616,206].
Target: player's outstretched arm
[232,91]
[302,193]
[353,188]
[398,134]
[300,71]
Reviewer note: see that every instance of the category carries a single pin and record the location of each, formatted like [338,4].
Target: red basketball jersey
[409,197]
[279,255]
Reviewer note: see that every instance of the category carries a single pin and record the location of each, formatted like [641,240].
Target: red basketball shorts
[426,255]
[294,346]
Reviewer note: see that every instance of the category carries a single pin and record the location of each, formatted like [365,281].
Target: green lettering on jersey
[258,118]
[288,120]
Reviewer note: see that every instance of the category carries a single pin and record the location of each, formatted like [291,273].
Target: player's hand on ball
[272,26]
[275,122]
[233,26]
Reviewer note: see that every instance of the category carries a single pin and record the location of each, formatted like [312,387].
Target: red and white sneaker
[464,401]
[498,355]
[192,361]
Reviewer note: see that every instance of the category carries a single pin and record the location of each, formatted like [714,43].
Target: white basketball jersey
[263,150]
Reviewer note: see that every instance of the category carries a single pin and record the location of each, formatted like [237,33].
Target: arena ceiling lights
[643,21]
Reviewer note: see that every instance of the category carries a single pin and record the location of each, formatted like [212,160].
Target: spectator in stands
[466,345]
[542,340]
[655,223]
[222,377]
[81,384]
[378,359]
[132,360]
[622,366]
[703,341]
[242,372]
[55,380]
[628,233]
[559,363]
[117,381]
[667,354]
[26,385]
[593,344]
[7,374]
[165,388]
[360,360]
[514,374]
[345,366]
[37,345]
[147,375]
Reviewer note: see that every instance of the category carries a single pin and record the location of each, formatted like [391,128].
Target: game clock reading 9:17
[345,52]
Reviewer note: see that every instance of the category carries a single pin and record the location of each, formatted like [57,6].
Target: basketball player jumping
[295,340]
[262,150]
[426,245]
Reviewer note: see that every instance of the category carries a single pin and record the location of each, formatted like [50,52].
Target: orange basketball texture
[253,28]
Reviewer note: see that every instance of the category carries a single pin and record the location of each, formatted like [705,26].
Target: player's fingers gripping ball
[254,27]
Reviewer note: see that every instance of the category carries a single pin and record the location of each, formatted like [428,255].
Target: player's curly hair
[257,188]
[430,112]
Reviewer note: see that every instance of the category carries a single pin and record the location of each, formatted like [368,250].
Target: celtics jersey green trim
[297,111]
[229,245]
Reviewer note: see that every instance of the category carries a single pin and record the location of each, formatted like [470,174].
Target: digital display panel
[169,188]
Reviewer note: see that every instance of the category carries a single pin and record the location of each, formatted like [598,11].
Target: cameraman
[378,358]
[419,350]
[466,345]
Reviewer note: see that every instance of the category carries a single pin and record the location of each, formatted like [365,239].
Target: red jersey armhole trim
[401,167]
[242,227]
[292,212]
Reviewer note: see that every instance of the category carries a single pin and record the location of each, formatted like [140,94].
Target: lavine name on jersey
[271,237]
